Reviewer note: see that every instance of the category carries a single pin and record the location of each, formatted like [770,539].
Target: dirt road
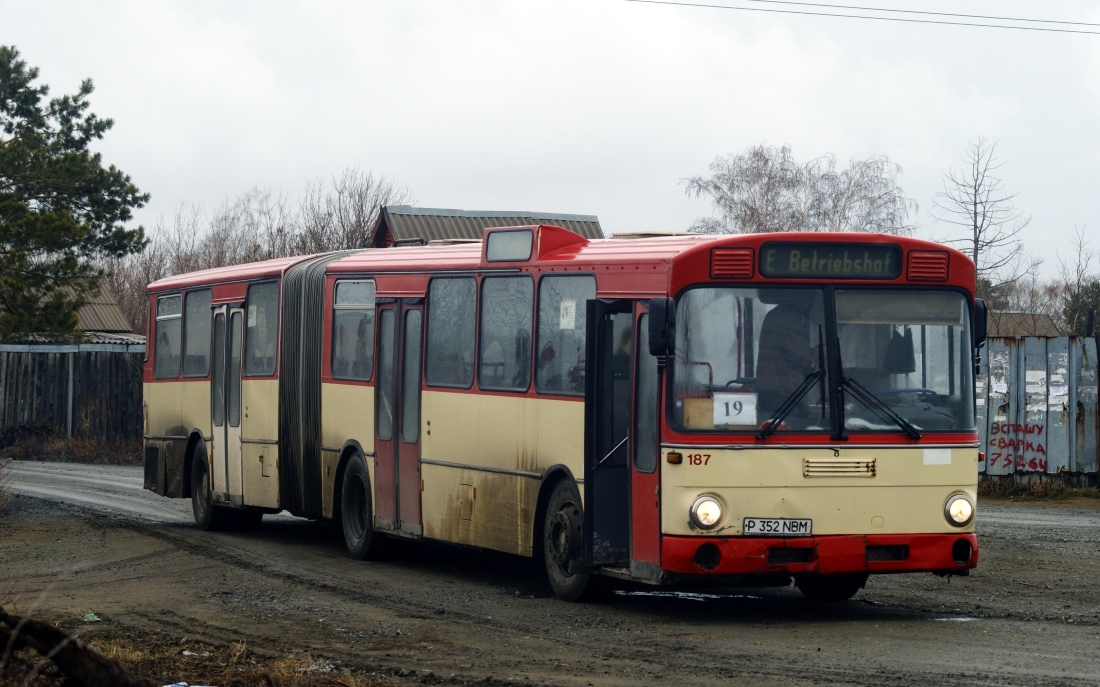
[84,538]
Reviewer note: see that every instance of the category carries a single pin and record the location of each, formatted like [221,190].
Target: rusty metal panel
[1083,395]
[1000,411]
[981,402]
[1032,433]
[1059,422]
[1037,406]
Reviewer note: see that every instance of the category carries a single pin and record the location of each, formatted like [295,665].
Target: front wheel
[208,516]
[836,587]
[356,513]
[562,541]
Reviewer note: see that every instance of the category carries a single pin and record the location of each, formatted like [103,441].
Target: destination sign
[830,261]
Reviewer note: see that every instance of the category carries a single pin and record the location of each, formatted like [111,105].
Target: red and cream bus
[740,409]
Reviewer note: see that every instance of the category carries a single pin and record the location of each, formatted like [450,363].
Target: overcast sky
[596,107]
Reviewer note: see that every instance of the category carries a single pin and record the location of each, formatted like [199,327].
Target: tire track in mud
[486,618]
[686,660]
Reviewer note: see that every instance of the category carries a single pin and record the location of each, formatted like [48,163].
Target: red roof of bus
[690,252]
[468,256]
[248,271]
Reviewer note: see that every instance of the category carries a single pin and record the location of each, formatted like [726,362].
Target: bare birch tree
[765,189]
[1080,287]
[343,216]
[259,225]
[974,198]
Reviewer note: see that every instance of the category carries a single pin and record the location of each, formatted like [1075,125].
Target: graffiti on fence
[1022,447]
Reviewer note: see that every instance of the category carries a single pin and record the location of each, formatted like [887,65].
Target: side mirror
[662,326]
[981,316]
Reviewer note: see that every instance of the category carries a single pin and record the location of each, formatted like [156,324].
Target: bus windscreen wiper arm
[788,405]
[876,404]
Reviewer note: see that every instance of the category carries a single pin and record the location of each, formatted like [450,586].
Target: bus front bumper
[879,553]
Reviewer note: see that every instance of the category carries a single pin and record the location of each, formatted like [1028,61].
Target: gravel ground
[79,538]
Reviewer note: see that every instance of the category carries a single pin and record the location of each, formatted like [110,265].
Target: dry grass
[162,659]
[36,441]
[1041,490]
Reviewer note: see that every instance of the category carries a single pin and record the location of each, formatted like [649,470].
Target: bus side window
[167,352]
[506,312]
[353,330]
[262,306]
[452,312]
[196,328]
[559,360]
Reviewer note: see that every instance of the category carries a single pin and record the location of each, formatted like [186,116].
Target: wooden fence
[90,391]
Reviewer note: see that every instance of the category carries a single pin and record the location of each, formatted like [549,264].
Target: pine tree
[61,210]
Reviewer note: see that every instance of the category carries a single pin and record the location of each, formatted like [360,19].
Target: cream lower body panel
[905,494]
[348,416]
[483,460]
[478,508]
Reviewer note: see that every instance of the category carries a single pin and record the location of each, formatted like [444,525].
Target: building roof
[102,314]
[1011,324]
[126,338]
[403,222]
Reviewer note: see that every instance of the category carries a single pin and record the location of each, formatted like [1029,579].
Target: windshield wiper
[876,404]
[789,404]
[798,394]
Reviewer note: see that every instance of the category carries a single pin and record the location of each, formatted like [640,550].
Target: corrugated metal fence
[81,390]
[1037,407]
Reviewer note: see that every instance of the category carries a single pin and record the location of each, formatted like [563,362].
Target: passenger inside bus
[262,344]
[360,367]
[785,357]
[167,364]
[340,356]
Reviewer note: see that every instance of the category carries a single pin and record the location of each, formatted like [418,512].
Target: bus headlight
[959,510]
[706,512]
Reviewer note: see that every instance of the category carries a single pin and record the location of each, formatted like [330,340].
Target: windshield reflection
[758,359]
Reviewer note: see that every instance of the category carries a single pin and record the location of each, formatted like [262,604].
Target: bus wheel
[207,516]
[839,587]
[562,542]
[356,513]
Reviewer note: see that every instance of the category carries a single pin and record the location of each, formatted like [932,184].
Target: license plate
[777,527]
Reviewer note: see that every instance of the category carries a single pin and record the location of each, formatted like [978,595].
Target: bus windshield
[758,359]
[744,353]
[911,350]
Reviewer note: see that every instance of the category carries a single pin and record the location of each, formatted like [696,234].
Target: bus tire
[836,587]
[356,513]
[208,516]
[562,542]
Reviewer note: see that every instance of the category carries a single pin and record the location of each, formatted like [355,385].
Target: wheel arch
[350,448]
[553,476]
[193,440]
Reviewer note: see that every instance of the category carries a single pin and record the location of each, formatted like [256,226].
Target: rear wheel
[837,587]
[562,543]
[356,513]
[207,515]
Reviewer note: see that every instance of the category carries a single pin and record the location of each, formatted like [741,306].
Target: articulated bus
[743,410]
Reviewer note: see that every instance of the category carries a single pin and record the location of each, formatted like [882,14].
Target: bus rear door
[225,395]
[397,421]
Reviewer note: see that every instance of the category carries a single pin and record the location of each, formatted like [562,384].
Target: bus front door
[225,401]
[397,418]
[609,387]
